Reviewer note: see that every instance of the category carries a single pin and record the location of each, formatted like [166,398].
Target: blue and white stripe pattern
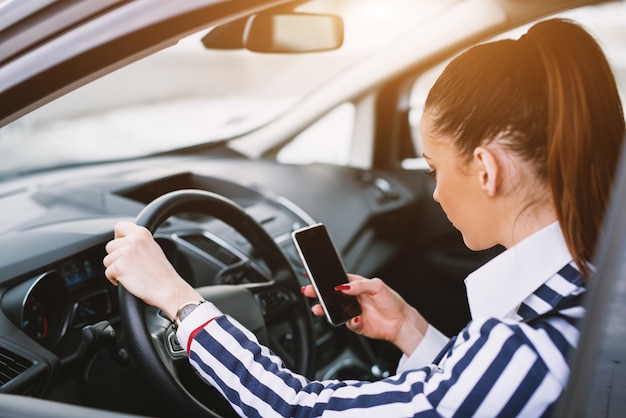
[494,367]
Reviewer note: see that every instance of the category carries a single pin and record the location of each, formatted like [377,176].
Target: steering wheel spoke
[273,299]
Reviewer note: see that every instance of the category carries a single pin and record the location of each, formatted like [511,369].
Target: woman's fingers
[355,324]
[317,310]
[309,292]
[358,285]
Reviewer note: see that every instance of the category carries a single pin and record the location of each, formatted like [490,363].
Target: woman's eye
[432,173]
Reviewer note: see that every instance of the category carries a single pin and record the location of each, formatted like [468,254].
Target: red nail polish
[302,289]
[342,287]
[356,320]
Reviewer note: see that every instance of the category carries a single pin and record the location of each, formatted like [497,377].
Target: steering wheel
[151,341]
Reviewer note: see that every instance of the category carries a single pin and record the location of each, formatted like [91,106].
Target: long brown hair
[553,94]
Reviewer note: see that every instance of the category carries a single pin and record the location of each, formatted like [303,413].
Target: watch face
[186,310]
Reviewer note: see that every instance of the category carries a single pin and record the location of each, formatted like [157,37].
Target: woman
[522,138]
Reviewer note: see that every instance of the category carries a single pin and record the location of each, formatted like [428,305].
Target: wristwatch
[184,311]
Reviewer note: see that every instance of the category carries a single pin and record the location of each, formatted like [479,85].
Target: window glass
[326,141]
[418,94]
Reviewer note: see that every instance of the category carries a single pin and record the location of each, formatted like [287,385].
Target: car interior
[223,211]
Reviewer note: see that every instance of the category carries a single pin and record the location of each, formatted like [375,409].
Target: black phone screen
[325,271]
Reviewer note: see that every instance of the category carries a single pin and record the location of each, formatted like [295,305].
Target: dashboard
[57,308]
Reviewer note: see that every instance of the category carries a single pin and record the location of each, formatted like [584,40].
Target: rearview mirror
[284,32]
[295,32]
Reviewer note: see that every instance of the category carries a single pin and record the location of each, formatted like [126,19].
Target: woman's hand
[137,262]
[385,314]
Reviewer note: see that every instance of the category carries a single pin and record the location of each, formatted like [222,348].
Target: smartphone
[325,270]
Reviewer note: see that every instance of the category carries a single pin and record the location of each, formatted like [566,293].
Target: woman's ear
[488,170]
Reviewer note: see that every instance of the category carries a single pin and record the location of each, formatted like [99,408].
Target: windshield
[187,95]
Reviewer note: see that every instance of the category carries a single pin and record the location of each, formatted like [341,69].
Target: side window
[418,94]
[326,141]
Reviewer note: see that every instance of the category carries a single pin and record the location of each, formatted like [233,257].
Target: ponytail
[585,128]
[553,96]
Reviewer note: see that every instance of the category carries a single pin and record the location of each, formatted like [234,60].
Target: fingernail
[356,319]
[342,287]
[302,289]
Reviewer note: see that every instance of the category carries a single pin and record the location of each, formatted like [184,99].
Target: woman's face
[458,189]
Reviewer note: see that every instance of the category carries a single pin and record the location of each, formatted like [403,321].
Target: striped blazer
[493,367]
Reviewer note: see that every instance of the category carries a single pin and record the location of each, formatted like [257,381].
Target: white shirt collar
[500,286]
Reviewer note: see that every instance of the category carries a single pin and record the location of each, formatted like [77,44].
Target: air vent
[213,248]
[11,365]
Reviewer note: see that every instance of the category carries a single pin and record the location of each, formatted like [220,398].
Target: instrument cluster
[68,296]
